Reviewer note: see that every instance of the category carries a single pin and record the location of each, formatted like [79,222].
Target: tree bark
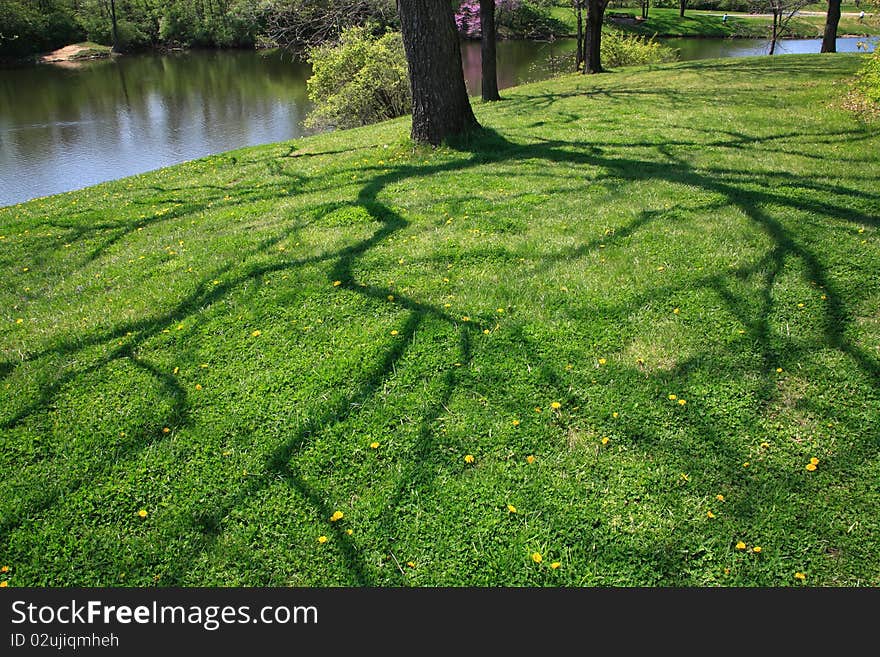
[440,104]
[115,47]
[832,18]
[487,50]
[580,34]
[682,5]
[775,32]
[593,36]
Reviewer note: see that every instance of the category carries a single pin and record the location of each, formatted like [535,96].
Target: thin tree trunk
[682,5]
[115,47]
[487,50]
[832,18]
[440,104]
[579,6]
[593,37]
[775,32]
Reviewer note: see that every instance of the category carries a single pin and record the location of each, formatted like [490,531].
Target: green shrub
[619,49]
[360,80]
[869,77]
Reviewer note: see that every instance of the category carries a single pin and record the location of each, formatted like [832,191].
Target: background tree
[593,36]
[114,27]
[832,18]
[440,104]
[489,75]
[682,5]
[578,6]
[782,11]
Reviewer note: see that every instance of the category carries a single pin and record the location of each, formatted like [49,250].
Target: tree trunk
[579,5]
[593,36]
[440,104]
[115,47]
[645,9]
[775,32]
[829,40]
[682,5]
[487,50]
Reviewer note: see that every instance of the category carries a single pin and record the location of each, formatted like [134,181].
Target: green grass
[665,22]
[177,342]
[91,50]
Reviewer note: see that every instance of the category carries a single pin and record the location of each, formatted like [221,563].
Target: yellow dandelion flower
[676,311]
[322,539]
[605,440]
[465,319]
[536,557]
[824,297]
[673,397]
[800,305]
[485,331]
[511,508]
[555,565]
[4,569]
[537,409]
[468,458]
[4,584]
[800,576]
[684,477]
[661,268]
[516,423]
[682,402]
[176,370]
[166,430]
[411,564]
[720,498]
[257,333]
[746,464]
[394,332]
[765,445]
[740,546]
[142,513]
[349,531]
[198,386]
[602,361]
[779,370]
[709,514]
[19,320]
[374,444]
[337,283]
[756,549]
[811,467]
[337,515]
[500,310]
[814,461]
[555,405]
[615,415]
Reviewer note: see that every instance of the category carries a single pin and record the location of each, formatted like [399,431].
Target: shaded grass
[221,342]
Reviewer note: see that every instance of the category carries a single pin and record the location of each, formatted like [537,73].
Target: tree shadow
[485,147]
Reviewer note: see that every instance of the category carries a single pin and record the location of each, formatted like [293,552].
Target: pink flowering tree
[467,16]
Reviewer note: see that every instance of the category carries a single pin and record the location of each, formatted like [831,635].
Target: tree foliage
[360,80]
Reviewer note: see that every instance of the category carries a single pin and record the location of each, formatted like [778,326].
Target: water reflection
[64,128]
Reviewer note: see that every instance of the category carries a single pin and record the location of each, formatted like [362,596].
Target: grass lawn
[628,335]
[665,22]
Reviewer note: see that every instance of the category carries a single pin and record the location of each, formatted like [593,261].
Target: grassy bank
[665,22]
[598,344]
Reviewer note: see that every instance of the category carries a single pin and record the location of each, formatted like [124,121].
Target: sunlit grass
[683,259]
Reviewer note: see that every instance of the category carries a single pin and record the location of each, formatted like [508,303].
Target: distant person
[724,18]
[862,16]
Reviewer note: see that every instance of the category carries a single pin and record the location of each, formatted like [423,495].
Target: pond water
[64,128]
